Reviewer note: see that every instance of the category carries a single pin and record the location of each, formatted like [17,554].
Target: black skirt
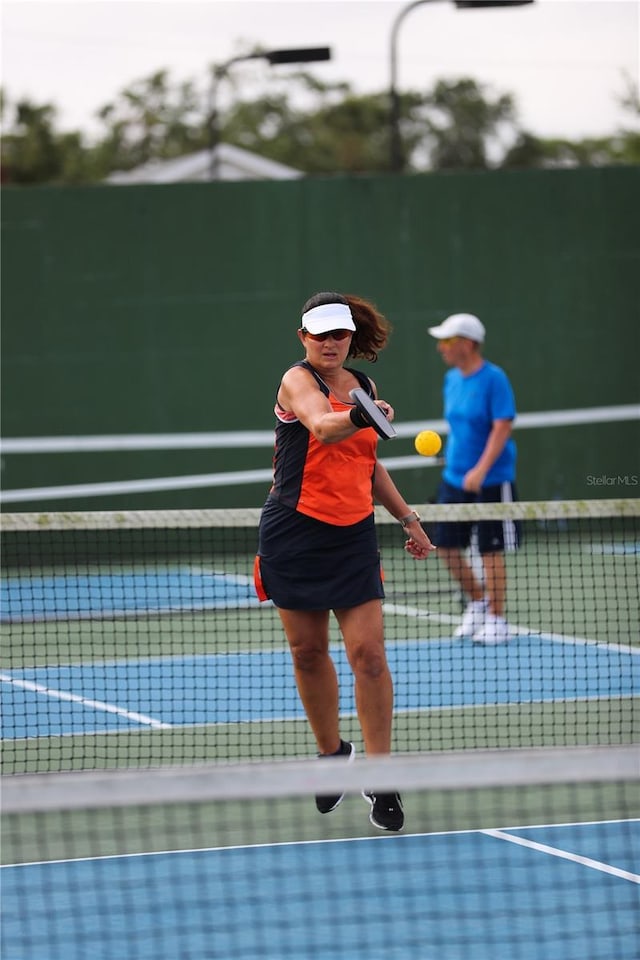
[305,564]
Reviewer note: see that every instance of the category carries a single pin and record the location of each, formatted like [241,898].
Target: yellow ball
[428,443]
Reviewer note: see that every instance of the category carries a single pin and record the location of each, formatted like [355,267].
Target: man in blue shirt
[480,460]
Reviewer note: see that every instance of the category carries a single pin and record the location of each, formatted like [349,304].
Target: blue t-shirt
[471,405]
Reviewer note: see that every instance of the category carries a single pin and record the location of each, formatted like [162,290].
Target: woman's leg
[308,634]
[362,630]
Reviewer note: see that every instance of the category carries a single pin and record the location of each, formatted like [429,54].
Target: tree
[150,120]
[453,127]
[34,152]
[622,147]
[30,152]
[344,134]
[318,128]
[530,151]
[462,124]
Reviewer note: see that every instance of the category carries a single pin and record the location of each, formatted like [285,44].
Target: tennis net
[134,639]
[521,854]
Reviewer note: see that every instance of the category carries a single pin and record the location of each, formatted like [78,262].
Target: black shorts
[305,564]
[494,536]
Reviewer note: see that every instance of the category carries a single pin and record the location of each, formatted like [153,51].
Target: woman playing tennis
[318,550]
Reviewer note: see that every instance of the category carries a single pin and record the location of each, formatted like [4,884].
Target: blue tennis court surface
[456,896]
[67,597]
[244,687]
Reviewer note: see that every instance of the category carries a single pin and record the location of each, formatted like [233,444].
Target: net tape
[447,770]
[249,517]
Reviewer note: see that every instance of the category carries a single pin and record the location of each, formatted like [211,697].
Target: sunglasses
[447,340]
[321,337]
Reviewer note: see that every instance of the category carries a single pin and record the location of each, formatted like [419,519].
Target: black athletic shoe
[386,810]
[327,804]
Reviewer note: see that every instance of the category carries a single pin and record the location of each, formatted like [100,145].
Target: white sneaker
[495,630]
[473,619]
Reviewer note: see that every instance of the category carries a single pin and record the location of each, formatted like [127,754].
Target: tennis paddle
[372,413]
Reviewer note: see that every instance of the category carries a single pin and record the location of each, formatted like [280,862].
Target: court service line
[417,614]
[344,714]
[583,641]
[84,701]
[564,855]
[573,641]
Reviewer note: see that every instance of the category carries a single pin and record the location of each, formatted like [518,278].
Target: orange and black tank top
[332,482]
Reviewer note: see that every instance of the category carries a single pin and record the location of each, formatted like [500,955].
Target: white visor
[329,316]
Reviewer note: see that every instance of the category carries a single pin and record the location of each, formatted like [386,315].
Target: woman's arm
[387,494]
[299,393]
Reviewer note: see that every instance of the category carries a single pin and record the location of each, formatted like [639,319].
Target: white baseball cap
[460,325]
[328,316]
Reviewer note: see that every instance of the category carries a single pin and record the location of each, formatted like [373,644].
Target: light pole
[298,55]
[396,150]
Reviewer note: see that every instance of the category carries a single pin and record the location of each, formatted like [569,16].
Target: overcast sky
[564,60]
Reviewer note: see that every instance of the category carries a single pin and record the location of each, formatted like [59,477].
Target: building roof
[232,163]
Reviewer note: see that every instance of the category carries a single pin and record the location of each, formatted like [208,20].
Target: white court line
[417,614]
[400,837]
[346,714]
[391,608]
[564,855]
[84,701]
[575,641]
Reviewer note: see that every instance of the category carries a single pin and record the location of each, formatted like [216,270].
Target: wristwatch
[410,517]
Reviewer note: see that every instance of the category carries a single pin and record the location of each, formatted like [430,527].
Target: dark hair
[372,328]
